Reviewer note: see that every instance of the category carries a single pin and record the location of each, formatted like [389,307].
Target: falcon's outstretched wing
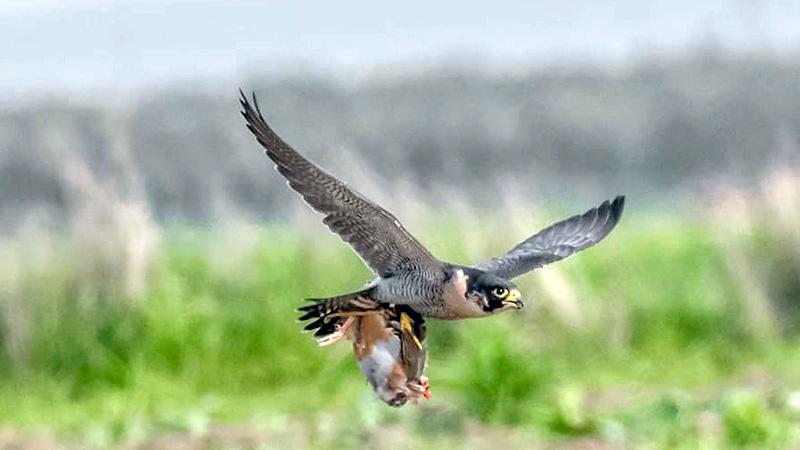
[374,233]
[557,241]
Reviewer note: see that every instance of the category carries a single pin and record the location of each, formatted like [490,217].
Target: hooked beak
[514,298]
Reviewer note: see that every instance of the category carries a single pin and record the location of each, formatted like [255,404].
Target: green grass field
[653,339]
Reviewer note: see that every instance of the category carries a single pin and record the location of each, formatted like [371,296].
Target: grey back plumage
[557,241]
[374,233]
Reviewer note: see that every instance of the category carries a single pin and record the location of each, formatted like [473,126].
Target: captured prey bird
[408,276]
[390,349]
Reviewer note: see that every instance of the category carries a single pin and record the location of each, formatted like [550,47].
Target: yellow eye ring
[500,292]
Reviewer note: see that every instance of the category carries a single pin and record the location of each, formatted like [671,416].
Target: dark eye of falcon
[500,292]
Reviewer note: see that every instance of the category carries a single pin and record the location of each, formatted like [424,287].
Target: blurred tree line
[658,127]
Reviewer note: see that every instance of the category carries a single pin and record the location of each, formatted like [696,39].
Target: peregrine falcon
[407,274]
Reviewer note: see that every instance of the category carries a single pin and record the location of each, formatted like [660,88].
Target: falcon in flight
[385,318]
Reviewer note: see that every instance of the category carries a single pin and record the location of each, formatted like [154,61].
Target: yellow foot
[406,325]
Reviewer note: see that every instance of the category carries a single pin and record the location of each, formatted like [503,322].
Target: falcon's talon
[406,325]
[408,275]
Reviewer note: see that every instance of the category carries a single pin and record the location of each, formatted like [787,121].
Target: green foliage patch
[661,355]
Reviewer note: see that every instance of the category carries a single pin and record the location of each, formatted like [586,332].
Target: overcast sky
[108,45]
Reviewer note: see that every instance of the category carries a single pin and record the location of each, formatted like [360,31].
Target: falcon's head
[493,294]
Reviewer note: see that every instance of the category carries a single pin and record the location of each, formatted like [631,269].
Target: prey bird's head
[492,293]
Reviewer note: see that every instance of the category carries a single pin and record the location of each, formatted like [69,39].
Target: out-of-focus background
[151,258]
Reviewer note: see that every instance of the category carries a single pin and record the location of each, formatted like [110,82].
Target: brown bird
[389,345]
[407,273]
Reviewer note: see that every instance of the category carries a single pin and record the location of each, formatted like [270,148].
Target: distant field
[667,334]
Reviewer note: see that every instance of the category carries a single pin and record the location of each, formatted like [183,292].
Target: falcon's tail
[328,314]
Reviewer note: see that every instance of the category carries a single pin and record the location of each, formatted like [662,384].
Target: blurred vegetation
[660,125]
[648,340]
[122,326]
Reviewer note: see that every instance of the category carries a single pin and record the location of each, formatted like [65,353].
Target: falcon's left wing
[557,241]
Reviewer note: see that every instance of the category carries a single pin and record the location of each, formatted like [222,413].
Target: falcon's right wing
[374,233]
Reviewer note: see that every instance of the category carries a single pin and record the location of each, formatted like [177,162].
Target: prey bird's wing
[557,241]
[374,233]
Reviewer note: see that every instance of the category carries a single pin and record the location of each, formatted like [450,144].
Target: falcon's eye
[500,292]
